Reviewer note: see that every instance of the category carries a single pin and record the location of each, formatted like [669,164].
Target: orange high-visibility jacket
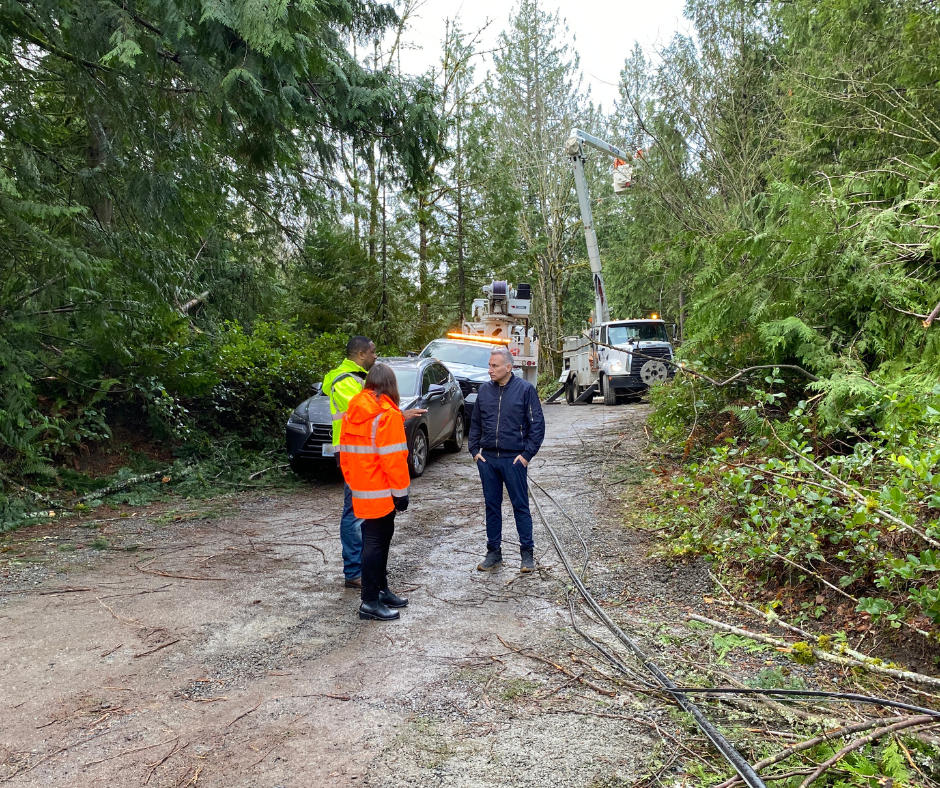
[374,454]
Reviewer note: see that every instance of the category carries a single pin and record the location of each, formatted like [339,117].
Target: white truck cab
[618,373]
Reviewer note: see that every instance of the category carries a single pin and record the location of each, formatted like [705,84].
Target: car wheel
[455,442]
[418,453]
[610,396]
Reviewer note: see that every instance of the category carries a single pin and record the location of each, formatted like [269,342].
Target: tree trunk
[461,274]
[96,156]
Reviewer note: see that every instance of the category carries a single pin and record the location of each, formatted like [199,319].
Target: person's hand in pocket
[479,457]
[523,460]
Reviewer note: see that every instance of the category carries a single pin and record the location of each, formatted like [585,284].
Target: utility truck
[616,358]
[502,318]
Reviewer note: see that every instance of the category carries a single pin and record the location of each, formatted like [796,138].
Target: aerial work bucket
[623,176]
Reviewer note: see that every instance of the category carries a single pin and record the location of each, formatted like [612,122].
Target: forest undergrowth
[831,517]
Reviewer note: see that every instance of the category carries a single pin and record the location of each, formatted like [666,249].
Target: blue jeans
[350,534]
[494,473]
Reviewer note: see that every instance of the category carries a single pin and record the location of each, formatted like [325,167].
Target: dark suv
[422,383]
[467,360]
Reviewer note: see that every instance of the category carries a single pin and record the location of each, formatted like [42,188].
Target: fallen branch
[23,488]
[932,316]
[178,577]
[272,468]
[303,544]
[129,752]
[568,673]
[861,742]
[244,713]
[65,591]
[825,656]
[772,618]
[155,650]
[118,486]
[838,733]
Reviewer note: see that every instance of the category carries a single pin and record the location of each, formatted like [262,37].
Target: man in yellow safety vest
[341,385]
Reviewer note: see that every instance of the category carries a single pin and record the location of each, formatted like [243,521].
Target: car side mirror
[316,388]
[436,390]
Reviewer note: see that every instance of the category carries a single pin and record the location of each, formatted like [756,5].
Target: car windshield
[458,353]
[407,381]
[645,332]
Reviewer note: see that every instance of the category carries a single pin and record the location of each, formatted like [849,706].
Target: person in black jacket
[506,430]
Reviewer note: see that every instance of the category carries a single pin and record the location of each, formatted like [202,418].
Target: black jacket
[507,420]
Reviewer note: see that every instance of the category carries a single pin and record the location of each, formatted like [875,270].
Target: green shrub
[264,373]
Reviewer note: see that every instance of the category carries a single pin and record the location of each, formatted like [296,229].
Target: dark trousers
[494,473]
[376,539]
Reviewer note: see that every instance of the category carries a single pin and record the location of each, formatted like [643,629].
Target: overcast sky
[604,32]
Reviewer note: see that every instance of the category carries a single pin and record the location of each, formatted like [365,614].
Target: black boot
[377,611]
[493,559]
[391,599]
[528,562]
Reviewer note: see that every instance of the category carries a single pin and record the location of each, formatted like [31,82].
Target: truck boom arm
[574,147]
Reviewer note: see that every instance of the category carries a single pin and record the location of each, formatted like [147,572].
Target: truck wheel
[610,397]
[571,391]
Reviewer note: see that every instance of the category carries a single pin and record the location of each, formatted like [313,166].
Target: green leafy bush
[264,373]
[863,509]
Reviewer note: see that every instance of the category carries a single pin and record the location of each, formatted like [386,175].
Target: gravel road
[217,647]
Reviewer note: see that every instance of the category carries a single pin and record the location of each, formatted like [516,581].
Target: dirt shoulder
[216,645]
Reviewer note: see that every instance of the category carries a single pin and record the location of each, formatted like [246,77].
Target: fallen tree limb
[932,316]
[272,468]
[522,652]
[794,749]
[118,486]
[860,742]
[825,656]
[23,488]
[772,618]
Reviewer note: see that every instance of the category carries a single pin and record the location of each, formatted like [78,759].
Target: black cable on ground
[849,696]
[577,528]
[731,755]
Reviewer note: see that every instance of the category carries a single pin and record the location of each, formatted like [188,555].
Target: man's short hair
[504,353]
[357,345]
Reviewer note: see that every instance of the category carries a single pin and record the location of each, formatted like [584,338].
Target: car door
[450,405]
[435,404]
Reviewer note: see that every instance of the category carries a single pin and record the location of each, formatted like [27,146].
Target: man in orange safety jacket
[374,459]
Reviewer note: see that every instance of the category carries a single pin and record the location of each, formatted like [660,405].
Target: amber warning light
[477,338]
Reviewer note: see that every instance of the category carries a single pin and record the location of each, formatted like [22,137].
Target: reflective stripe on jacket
[341,385]
[374,454]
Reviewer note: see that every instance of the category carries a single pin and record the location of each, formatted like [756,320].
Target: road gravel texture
[222,650]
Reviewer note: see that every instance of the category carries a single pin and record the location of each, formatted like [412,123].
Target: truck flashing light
[476,338]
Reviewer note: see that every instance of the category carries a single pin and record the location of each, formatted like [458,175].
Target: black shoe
[528,562]
[377,611]
[493,559]
[391,599]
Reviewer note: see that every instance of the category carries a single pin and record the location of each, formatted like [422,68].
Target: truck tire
[610,397]
[571,390]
